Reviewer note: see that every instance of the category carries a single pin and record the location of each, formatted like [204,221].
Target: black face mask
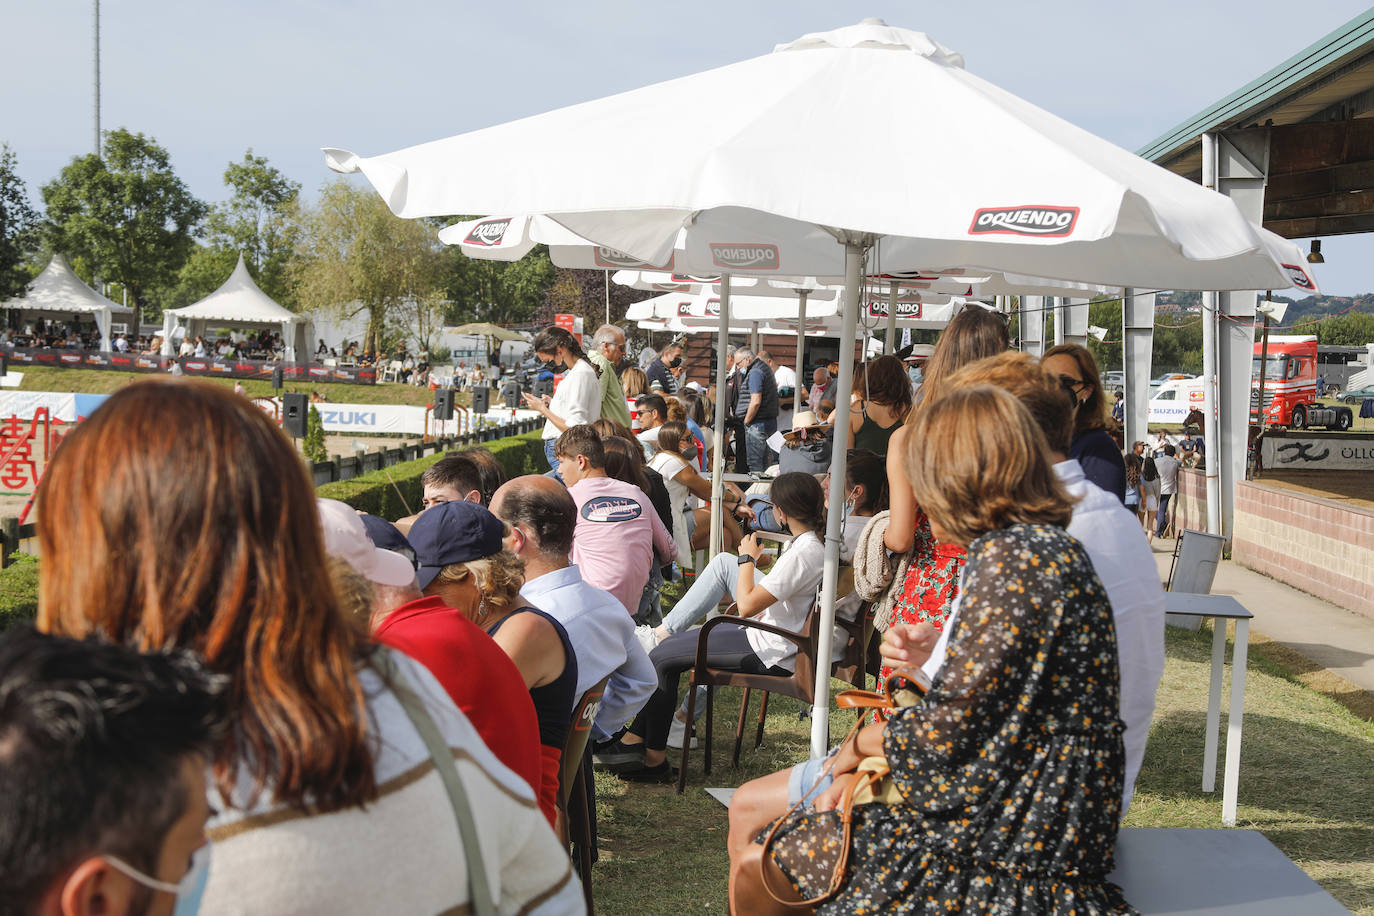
[554,365]
[675,363]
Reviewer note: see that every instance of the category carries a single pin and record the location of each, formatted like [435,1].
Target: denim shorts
[804,776]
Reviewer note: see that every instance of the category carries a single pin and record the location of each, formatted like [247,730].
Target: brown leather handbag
[904,687]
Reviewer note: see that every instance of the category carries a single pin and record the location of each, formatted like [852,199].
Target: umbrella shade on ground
[58,291]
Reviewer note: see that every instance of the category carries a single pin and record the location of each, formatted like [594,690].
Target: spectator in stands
[577,400]
[692,525]
[456,476]
[653,413]
[785,376]
[1093,447]
[757,408]
[666,368]
[887,398]
[634,383]
[464,561]
[1167,465]
[328,803]
[607,353]
[121,344]
[618,533]
[542,518]
[103,758]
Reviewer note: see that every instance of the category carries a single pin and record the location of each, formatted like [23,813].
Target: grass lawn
[1304,783]
[94,381]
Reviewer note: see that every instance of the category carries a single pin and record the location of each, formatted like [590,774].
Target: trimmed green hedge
[372,492]
[19,590]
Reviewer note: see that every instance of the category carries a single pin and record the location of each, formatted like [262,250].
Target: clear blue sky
[287,77]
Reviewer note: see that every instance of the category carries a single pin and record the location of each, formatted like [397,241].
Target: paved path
[1338,640]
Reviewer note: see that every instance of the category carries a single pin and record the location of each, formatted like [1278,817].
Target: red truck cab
[1290,385]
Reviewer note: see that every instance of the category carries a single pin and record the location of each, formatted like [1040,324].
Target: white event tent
[239,303]
[59,291]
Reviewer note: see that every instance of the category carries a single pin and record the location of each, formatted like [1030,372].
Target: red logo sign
[1044,222]
[488,233]
[1299,277]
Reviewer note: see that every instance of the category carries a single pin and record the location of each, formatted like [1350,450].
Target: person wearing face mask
[664,369]
[608,355]
[577,399]
[103,757]
[1093,447]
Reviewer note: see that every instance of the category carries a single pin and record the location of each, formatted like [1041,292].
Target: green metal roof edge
[1306,62]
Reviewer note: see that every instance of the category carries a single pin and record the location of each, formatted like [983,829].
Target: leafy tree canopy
[127,215]
[18,222]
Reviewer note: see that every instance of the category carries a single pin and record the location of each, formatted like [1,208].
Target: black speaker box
[276,378]
[294,410]
[443,403]
[481,399]
[510,392]
[543,388]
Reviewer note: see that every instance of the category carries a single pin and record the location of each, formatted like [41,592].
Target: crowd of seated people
[340,693]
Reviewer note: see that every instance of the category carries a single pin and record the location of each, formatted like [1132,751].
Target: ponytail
[551,338]
[800,497]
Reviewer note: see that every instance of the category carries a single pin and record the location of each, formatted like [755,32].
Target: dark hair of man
[625,462]
[653,402]
[1170,450]
[548,513]
[456,470]
[551,338]
[799,496]
[868,470]
[581,440]
[489,471]
[92,739]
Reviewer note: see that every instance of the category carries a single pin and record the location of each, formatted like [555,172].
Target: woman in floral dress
[1010,770]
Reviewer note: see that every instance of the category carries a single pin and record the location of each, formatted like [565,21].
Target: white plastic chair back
[1195,569]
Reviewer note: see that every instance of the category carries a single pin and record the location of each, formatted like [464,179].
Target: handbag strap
[439,752]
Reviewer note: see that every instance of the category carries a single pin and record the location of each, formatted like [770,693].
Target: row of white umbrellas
[1018,192]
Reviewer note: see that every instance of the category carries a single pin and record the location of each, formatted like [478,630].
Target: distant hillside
[1298,309]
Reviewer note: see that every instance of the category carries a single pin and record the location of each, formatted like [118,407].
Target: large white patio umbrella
[1047,199]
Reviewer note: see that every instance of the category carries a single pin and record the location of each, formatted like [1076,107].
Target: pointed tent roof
[59,289]
[239,302]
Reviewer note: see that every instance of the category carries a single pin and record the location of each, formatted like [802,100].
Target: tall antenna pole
[95,4]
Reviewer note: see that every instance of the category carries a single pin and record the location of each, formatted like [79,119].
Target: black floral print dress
[1011,768]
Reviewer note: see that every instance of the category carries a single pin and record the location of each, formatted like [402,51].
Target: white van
[1175,399]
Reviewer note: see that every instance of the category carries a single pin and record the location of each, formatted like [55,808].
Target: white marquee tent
[239,303]
[59,291]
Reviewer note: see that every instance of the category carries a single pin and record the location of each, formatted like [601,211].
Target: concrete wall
[1321,546]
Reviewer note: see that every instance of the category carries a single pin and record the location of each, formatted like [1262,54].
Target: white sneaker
[676,732]
[647,638]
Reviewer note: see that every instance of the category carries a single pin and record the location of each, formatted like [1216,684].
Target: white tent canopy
[239,303]
[59,291]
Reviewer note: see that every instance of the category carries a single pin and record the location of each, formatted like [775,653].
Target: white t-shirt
[577,400]
[670,466]
[785,376]
[649,439]
[1168,474]
[793,580]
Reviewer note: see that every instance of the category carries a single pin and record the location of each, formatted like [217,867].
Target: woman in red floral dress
[932,577]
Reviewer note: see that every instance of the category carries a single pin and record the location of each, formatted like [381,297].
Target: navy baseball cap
[386,535]
[453,532]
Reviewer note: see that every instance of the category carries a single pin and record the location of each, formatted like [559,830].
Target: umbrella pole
[801,350]
[820,711]
[890,343]
[718,435]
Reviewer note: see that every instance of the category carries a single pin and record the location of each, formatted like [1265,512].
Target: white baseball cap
[346,537]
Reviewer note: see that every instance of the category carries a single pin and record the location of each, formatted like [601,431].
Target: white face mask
[188,891]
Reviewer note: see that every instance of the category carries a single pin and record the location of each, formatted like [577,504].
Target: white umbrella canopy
[1101,214]
[1047,199]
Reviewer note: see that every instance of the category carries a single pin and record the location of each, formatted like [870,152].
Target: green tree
[127,217]
[17,227]
[502,292]
[258,221]
[352,255]
[1351,330]
[583,292]
[313,445]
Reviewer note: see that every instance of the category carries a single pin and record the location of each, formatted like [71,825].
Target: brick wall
[1318,545]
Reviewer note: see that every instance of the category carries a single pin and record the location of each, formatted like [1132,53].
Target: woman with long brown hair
[180,515]
[932,577]
[577,399]
[1092,447]
[887,397]
[1009,772]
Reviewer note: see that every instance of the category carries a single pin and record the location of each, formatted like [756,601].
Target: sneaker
[647,638]
[615,754]
[676,732]
[663,774]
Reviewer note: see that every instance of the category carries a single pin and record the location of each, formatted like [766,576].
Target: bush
[374,493]
[314,446]
[19,590]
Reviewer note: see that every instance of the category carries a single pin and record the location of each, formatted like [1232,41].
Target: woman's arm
[750,598]
[901,521]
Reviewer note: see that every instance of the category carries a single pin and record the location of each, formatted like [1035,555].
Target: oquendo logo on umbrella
[488,233]
[744,255]
[1046,222]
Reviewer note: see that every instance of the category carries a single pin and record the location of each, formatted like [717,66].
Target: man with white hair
[757,407]
[607,352]
[820,383]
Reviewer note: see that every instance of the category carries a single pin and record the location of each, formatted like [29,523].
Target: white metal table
[1220,608]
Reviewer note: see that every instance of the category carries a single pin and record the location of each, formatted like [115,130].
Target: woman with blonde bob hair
[1010,770]
[179,514]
